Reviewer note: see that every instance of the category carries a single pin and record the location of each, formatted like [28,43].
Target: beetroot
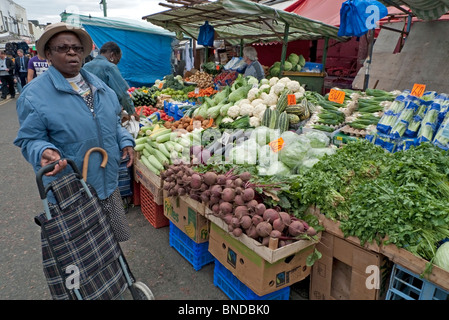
[245,176]
[237,232]
[285,217]
[238,182]
[248,194]
[227,218]
[235,222]
[264,229]
[216,208]
[245,222]
[296,228]
[238,200]
[275,234]
[270,215]
[196,181]
[260,209]
[256,220]
[311,231]
[228,194]
[216,190]
[252,205]
[210,178]
[226,207]
[221,179]
[251,232]
[241,211]
[278,225]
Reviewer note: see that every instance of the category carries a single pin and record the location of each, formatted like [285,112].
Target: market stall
[241,22]
[274,184]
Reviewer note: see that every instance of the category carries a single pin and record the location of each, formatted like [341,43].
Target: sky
[48,11]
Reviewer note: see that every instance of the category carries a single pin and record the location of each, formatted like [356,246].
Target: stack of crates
[405,285]
[237,290]
[153,212]
[196,253]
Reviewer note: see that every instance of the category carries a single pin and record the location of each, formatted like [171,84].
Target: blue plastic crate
[196,253]
[237,290]
[312,66]
[405,285]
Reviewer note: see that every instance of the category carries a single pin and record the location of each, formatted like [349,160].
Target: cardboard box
[264,252]
[254,271]
[187,218]
[151,181]
[348,272]
[417,265]
[333,227]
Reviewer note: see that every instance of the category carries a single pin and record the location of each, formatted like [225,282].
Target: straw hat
[55,28]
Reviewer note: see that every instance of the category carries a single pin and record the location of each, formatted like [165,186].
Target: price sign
[337,96]
[161,84]
[277,145]
[217,67]
[225,138]
[197,90]
[418,90]
[291,99]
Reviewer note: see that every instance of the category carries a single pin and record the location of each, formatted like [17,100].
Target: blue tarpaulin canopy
[146,48]
[359,16]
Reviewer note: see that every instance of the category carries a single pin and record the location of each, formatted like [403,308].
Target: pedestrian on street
[21,67]
[36,66]
[105,67]
[66,111]
[7,75]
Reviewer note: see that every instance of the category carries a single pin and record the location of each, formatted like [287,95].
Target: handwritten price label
[161,84]
[337,96]
[418,90]
[277,145]
[291,99]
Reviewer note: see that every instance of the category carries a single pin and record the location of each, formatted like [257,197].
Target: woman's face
[68,63]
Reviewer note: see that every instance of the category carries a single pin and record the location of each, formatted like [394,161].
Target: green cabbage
[275,71]
[278,168]
[293,58]
[302,61]
[293,153]
[317,138]
[287,66]
[442,256]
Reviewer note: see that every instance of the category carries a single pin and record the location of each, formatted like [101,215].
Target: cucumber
[282,122]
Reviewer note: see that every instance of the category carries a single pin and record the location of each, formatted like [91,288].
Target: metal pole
[284,48]
[104,8]
[370,55]
[324,58]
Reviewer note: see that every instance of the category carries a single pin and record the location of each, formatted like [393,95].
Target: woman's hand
[49,156]
[128,151]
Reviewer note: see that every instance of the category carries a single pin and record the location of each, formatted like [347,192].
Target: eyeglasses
[66,48]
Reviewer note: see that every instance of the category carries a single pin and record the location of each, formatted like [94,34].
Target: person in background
[254,68]
[36,66]
[65,112]
[21,67]
[105,67]
[7,75]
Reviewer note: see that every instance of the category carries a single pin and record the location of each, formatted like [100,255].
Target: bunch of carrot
[202,92]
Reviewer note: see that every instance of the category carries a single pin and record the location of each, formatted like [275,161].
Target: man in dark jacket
[21,67]
[7,75]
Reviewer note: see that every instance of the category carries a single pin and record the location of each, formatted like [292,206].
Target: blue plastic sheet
[145,56]
[359,16]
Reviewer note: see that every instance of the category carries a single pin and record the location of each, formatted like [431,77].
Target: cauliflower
[252,80]
[227,120]
[272,107]
[254,122]
[260,108]
[252,94]
[246,110]
[234,111]
[255,102]
[277,88]
[284,80]
[273,81]
[243,101]
[264,81]
[265,88]
[270,99]
[298,95]
[293,86]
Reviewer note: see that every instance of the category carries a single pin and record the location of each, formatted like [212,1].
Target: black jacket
[17,64]
[10,65]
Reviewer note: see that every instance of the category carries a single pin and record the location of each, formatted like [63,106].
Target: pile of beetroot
[233,199]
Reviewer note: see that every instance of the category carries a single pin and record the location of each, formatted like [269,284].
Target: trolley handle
[50,167]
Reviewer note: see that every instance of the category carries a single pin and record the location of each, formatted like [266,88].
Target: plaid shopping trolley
[81,257]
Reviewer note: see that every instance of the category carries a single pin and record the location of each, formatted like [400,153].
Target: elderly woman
[254,67]
[66,111]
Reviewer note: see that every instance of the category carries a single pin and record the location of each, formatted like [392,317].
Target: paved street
[151,259]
